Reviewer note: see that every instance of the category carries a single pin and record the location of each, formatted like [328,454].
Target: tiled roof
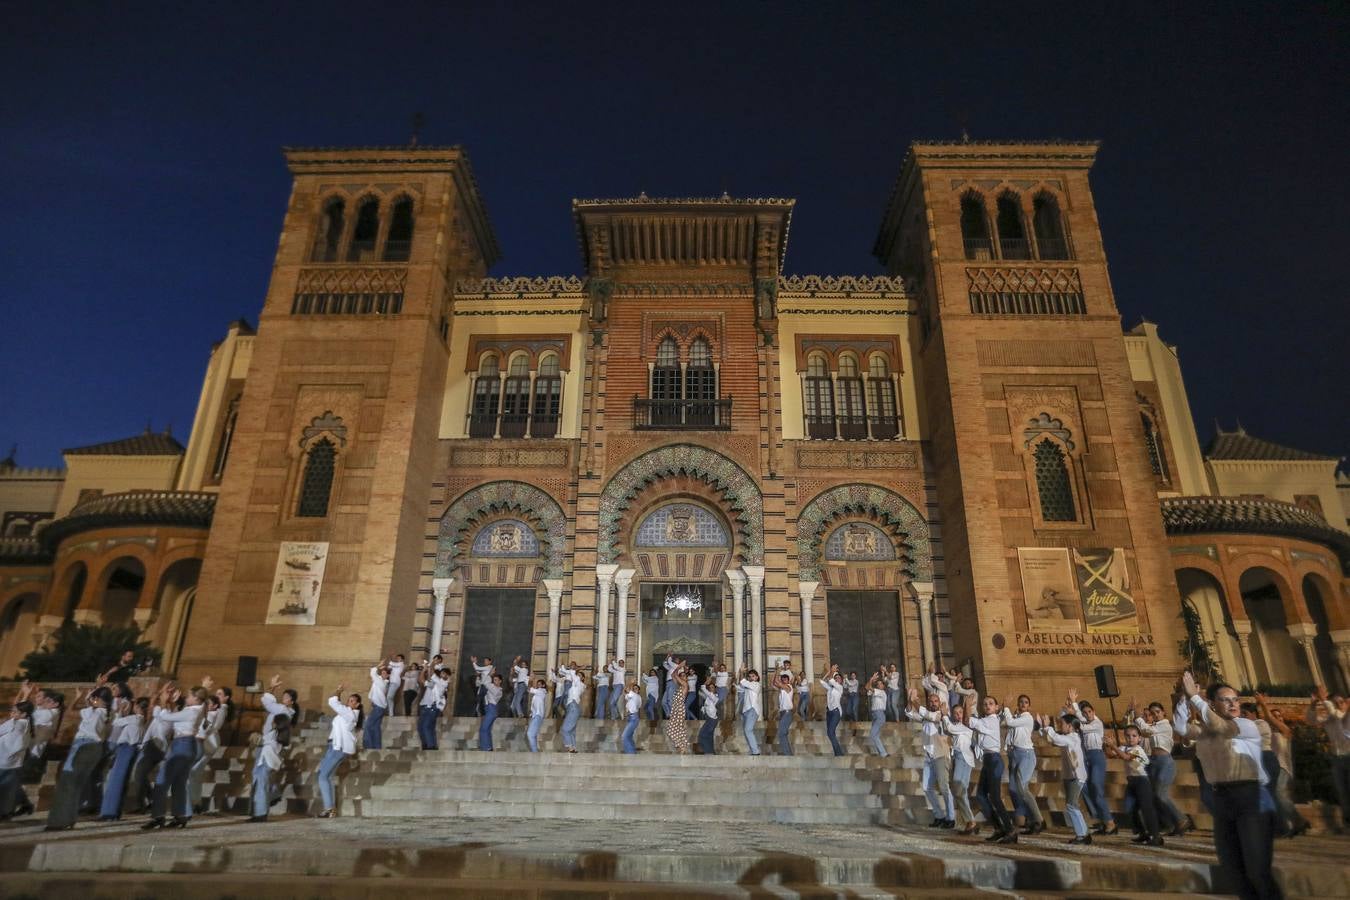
[1251,515]
[192,509]
[147,444]
[1239,445]
[18,551]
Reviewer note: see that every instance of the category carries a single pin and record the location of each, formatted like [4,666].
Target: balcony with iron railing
[1053,248]
[852,428]
[1014,248]
[979,248]
[512,425]
[681,415]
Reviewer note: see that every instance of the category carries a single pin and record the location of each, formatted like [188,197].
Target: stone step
[679,794]
[626,785]
[603,811]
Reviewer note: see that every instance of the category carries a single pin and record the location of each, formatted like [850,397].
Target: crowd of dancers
[148,754]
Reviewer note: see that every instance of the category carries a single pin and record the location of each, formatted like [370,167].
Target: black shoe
[936,823]
[257,818]
[997,836]
[1099,828]
[1039,826]
[1114,829]
[27,810]
[1156,842]
[177,822]
[1140,839]
[1008,838]
[108,818]
[948,823]
[59,827]
[157,822]
[1085,839]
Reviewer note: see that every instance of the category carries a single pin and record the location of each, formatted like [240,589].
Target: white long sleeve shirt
[433,692]
[1093,731]
[934,744]
[538,701]
[14,740]
[269,729]
[209,729]
[492,695]
[126,729]
[520,674]
[379,689]
[1071,767]
[963,740]
[892,681]
[93,724]
[834,693]
[342,734]
[602,678]
[1159,734]
[182,723]
[484,674]
[43,727]
[877,699]
[721,679]
[157,732]
[990,733]
[616,673]
[395,680]
[709,702]
[749,694]
[785,699]
[653,685]
[411,680]
[1020,726]
[575,689]
[850,685]
[632,701]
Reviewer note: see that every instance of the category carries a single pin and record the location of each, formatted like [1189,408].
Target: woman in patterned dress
[677,732]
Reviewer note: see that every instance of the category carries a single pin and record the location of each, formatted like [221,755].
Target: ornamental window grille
[1153,445]
[884,419]
[819,400]
[317,483]
[398,242]
[1012,235]
[667,384]
[851,412]
[516,397]
[506,538]
[1052,483]
[365,232]
[859,541]
[486,397]
[1048,225]
[700,386]
[547,398]
[328,237]
[682,525]
[975,227]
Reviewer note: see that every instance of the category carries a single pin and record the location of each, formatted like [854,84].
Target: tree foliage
[83,652]
[1195,649]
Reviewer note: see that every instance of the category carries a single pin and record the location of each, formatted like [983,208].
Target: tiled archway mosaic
[744,502]
[529,502]
[866,499]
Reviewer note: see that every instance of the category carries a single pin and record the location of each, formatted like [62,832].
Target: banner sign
[1104,586]
[297,583]
[1050,589]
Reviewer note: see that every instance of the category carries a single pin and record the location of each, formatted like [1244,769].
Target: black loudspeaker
[247,675]
[1106,681]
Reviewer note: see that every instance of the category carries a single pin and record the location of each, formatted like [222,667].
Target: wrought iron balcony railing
[681,415]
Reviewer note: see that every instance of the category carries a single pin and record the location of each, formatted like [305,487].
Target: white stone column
[1242,630]
[1304,633]
[604,580]
[923,594]
[554,587]
[623,580]
[737,580]
[754,576]
[1340,639]
[440,587]
[806,590]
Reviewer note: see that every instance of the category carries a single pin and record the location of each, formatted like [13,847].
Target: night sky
[146,188]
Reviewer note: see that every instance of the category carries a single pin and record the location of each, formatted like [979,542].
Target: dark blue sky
[146,186]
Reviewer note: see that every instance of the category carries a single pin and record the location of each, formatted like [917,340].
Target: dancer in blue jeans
[708,694]
[341,744]
[276,736]
[833,683]
[491,697]
[435,685]
[1093,731]
[372,736]
[652,681]
[988,742]
[803,682]
[125,740]
[1065,734]
[748,699]
[785,692]
[963,764]
[183,749]
[632,699]
[1022,764]
[601,677]
[576,687]
[877,699]
[538,706]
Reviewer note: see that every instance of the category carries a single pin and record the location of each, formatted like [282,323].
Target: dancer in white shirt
[491,698]
[435,686]
[172,783]
[632,700]
[482,678]
[937,754]
[1137,786]
[851,697]
[652,701]
[576,688]
[381,676]
[748,698]
[538,705]
[15,736]
[963,764]
[833,683]
[877,698]
[412,681]
[785,692]
[341,744]
[722,684]
[708,696]
[1065,733]
[1092,731]
[208,742]
[1156,728]
[601,679]
[989,741]
[86,752]
[1022,764]
[282,715]
[397,665]
[46,711]
[1292,823]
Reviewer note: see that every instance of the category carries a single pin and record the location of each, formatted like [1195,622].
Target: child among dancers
[1065,733]
[1137,785]
[963,764]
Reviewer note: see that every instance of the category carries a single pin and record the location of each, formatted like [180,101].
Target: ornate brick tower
[1055,555]
[317,542]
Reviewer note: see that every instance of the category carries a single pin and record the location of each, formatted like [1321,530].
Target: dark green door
[499,623]
[864,630]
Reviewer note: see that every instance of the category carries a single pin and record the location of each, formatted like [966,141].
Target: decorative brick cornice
[189,509]
[1251,515]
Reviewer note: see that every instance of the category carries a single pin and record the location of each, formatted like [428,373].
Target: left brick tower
[315,549]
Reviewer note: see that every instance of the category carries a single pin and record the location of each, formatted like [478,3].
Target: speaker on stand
[1108,690]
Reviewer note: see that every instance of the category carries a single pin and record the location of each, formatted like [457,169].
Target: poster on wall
[1050,589]
[297,583]
[1104,586]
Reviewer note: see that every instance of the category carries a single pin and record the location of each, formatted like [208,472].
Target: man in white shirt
[747,694]
[435,686]
[618,678]
[482,678]
[653,699]
[601,677]
[1022,764]
[372,735]
[937,752]
[520,684]
[833,683]
[1333,714]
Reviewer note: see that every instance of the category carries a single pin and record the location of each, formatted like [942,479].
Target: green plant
[1195,649]
[83,652]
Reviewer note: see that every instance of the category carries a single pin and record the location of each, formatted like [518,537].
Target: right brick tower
[1055,556]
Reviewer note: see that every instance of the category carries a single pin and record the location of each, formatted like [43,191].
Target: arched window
[819,397]
[667,384]
[516,397]
[1152,443]
[366,231]
[317,482]
[881,398]
[486,396]
[398,243]
[700,386]
[226,438]
[1012,236]
[975,227]
[1052,483]
[328,237]
[1049,227]
[849,407]
[547,398]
